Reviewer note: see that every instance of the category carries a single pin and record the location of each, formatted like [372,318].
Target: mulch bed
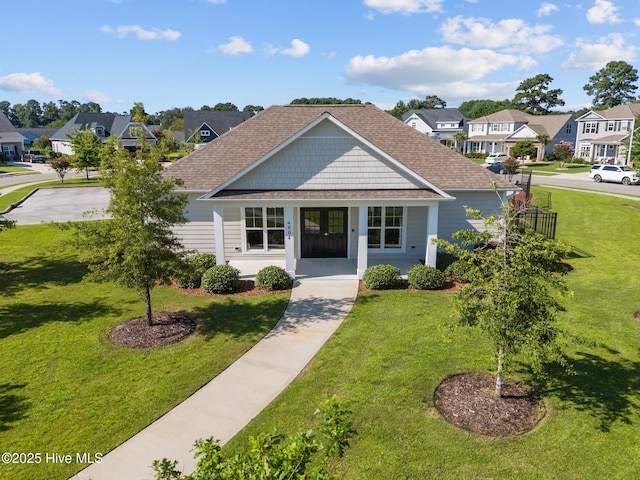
[247,289]
[468,401]
[167,328]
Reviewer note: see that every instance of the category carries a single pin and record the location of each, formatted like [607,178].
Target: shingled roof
[214,164]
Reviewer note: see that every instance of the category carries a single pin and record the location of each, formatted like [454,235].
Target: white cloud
[546,9]
[236,46]
[603,11]
[215,2]
[122,31]
[298,48]
[594,56]
[99,97]
[636,21]
[405,7]
[29,83]
[512,34]
[421,71]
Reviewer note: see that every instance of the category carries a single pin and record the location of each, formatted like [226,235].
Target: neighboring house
[104,125]
[439,123]
[11,140]
[31,134]
[500,131]
[202,126]
[602,134]
[320,181]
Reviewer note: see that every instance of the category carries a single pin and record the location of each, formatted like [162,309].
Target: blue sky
[179,53]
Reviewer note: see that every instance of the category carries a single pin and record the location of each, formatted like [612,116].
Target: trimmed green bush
[381,277]
[273,278]
[194,268]
[221,279]
[425,277]
[444,259]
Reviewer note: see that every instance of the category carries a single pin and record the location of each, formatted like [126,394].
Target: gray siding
[197,233]
[417,230]
[321,160]
[452,216]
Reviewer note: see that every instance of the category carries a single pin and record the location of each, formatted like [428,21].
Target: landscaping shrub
[221,279]
[459,271]
[425,277]
[444,259]
[194,268]
[273,278]
[381,277]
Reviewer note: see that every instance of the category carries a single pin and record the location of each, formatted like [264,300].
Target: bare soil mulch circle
[468,401]
[167,328]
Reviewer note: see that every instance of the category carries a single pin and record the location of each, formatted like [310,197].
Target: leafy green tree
[399,110]
[138,114]
[50,113]
[523,147]
[612,85]
[270,456]
[481,108]
[253,109]
[61,165]
[5,107]
[534,96]
[564,151]
[429,102]
[136,248]
[86,150]
[513,290]
[325,101]
[42,143]
[225,107]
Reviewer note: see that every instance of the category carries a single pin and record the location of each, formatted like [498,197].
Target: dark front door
[324,232]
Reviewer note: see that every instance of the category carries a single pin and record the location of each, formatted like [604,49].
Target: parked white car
[614,173]
[496,157]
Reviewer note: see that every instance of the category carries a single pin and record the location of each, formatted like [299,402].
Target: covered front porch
[331,268]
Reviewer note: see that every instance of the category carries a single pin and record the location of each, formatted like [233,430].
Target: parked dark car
[34,156]
[497,168]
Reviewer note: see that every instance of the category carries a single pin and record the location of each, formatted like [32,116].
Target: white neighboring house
[602,133]
[104,125]
[441,124]
[500,131]
[328,181]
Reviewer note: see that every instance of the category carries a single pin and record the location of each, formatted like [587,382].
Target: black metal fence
[538,219]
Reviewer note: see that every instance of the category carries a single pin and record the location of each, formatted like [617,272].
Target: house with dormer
[602,134]
[328,181]
[203,126]
[104,126]
[441,124]
[500,131]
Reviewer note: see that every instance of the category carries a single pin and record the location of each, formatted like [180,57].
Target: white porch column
[363,240]
[218,230]
[289,242]
[432,234]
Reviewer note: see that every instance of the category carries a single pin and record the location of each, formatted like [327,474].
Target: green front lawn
[554,167]
[64,387]
[16,170]
[386,360]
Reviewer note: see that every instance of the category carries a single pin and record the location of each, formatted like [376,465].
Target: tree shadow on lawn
[607,389]
[34,272]
[237,316]
[13,407]
[20,317]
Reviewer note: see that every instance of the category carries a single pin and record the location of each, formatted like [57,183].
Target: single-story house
[11,141]
[104,126]
[322,181]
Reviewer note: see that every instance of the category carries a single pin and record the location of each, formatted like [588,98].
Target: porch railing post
[289,242]
[363,239]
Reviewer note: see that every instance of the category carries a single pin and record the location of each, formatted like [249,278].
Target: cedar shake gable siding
[235,151]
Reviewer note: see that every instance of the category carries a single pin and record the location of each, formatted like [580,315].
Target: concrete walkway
[318,305]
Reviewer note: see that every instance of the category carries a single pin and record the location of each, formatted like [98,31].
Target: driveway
[61,205]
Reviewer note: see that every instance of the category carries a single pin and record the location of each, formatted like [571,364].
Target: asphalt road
[583,182]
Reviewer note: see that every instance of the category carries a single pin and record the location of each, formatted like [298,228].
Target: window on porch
[264,228]
[385,227]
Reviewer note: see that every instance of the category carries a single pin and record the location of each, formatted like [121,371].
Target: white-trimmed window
[205,133]
[477,127]
[385,227]
[264,228]
[590,127]
[568,129]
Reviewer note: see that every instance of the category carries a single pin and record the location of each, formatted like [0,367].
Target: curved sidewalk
[318,305]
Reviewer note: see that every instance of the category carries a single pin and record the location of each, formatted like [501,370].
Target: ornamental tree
[514,289]
[136,248]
